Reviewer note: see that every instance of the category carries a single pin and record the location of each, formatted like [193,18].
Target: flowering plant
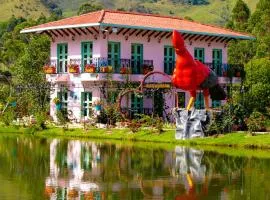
[49,69]
[97,103]
[56,100]
[125,70]
[73,68]
[90,68]
[147,68]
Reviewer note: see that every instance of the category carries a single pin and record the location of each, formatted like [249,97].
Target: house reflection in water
[87,170]
[71,183]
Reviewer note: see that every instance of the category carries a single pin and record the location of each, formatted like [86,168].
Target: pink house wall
[153,50]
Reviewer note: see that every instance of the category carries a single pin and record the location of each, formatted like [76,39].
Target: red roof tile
[137,20]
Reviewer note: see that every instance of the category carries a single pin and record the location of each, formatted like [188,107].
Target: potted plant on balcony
[97,105]
[147,68]
[57,103]
[90,68]
[123,70]
[104,69]
[110,69]
[239,71]
[49,69]
[73,68]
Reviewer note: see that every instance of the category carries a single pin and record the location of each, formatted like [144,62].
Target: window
[86,103]
[114,55]
[199,103]
[136,104]
[62,58]
[216,104]
[86,52]
[136,58]
[199,54]
[112,96]
[181,99]
[217,61]
[63,97]
[169,59]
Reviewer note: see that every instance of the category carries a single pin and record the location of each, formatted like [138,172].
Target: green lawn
[242,139]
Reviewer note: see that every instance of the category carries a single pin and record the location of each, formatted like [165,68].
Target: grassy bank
[242,140]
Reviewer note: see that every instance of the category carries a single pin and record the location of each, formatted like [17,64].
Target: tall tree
[89,7]
[259,25]
[240,51]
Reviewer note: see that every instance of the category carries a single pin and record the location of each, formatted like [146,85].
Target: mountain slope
[216,12]
[25,8]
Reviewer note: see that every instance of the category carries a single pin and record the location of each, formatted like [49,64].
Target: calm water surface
[34,168]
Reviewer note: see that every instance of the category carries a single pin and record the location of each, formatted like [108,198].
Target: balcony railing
[130,66]
[102,65]
[227,70]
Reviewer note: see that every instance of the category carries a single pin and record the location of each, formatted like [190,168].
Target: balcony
[89,68]
[227,70]
[99,65]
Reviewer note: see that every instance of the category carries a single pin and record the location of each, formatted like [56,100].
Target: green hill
[215,12]
[22,8]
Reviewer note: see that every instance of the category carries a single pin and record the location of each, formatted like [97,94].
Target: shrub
[41,118]
[8,116]
[134,125]
[159,124]
[62,118]
[255,122]
[112,114]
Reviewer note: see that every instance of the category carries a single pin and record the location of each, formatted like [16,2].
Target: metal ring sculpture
[139,90]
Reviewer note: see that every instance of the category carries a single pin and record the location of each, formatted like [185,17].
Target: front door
[136,58]
[86,103]
[136,104]
[114,55]
[169,59]
[63,97]
[217,61]
[62,58]
[158,103]
[181,99]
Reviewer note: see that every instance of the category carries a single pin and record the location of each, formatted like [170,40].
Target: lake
[39,168]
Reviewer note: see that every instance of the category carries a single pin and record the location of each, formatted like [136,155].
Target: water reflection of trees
[24,162]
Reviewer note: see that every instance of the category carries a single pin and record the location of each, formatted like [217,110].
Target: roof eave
[32,30]
[182,31]
[243,37]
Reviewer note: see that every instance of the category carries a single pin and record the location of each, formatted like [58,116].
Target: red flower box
[48,69]
[74,68]
[90,68]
